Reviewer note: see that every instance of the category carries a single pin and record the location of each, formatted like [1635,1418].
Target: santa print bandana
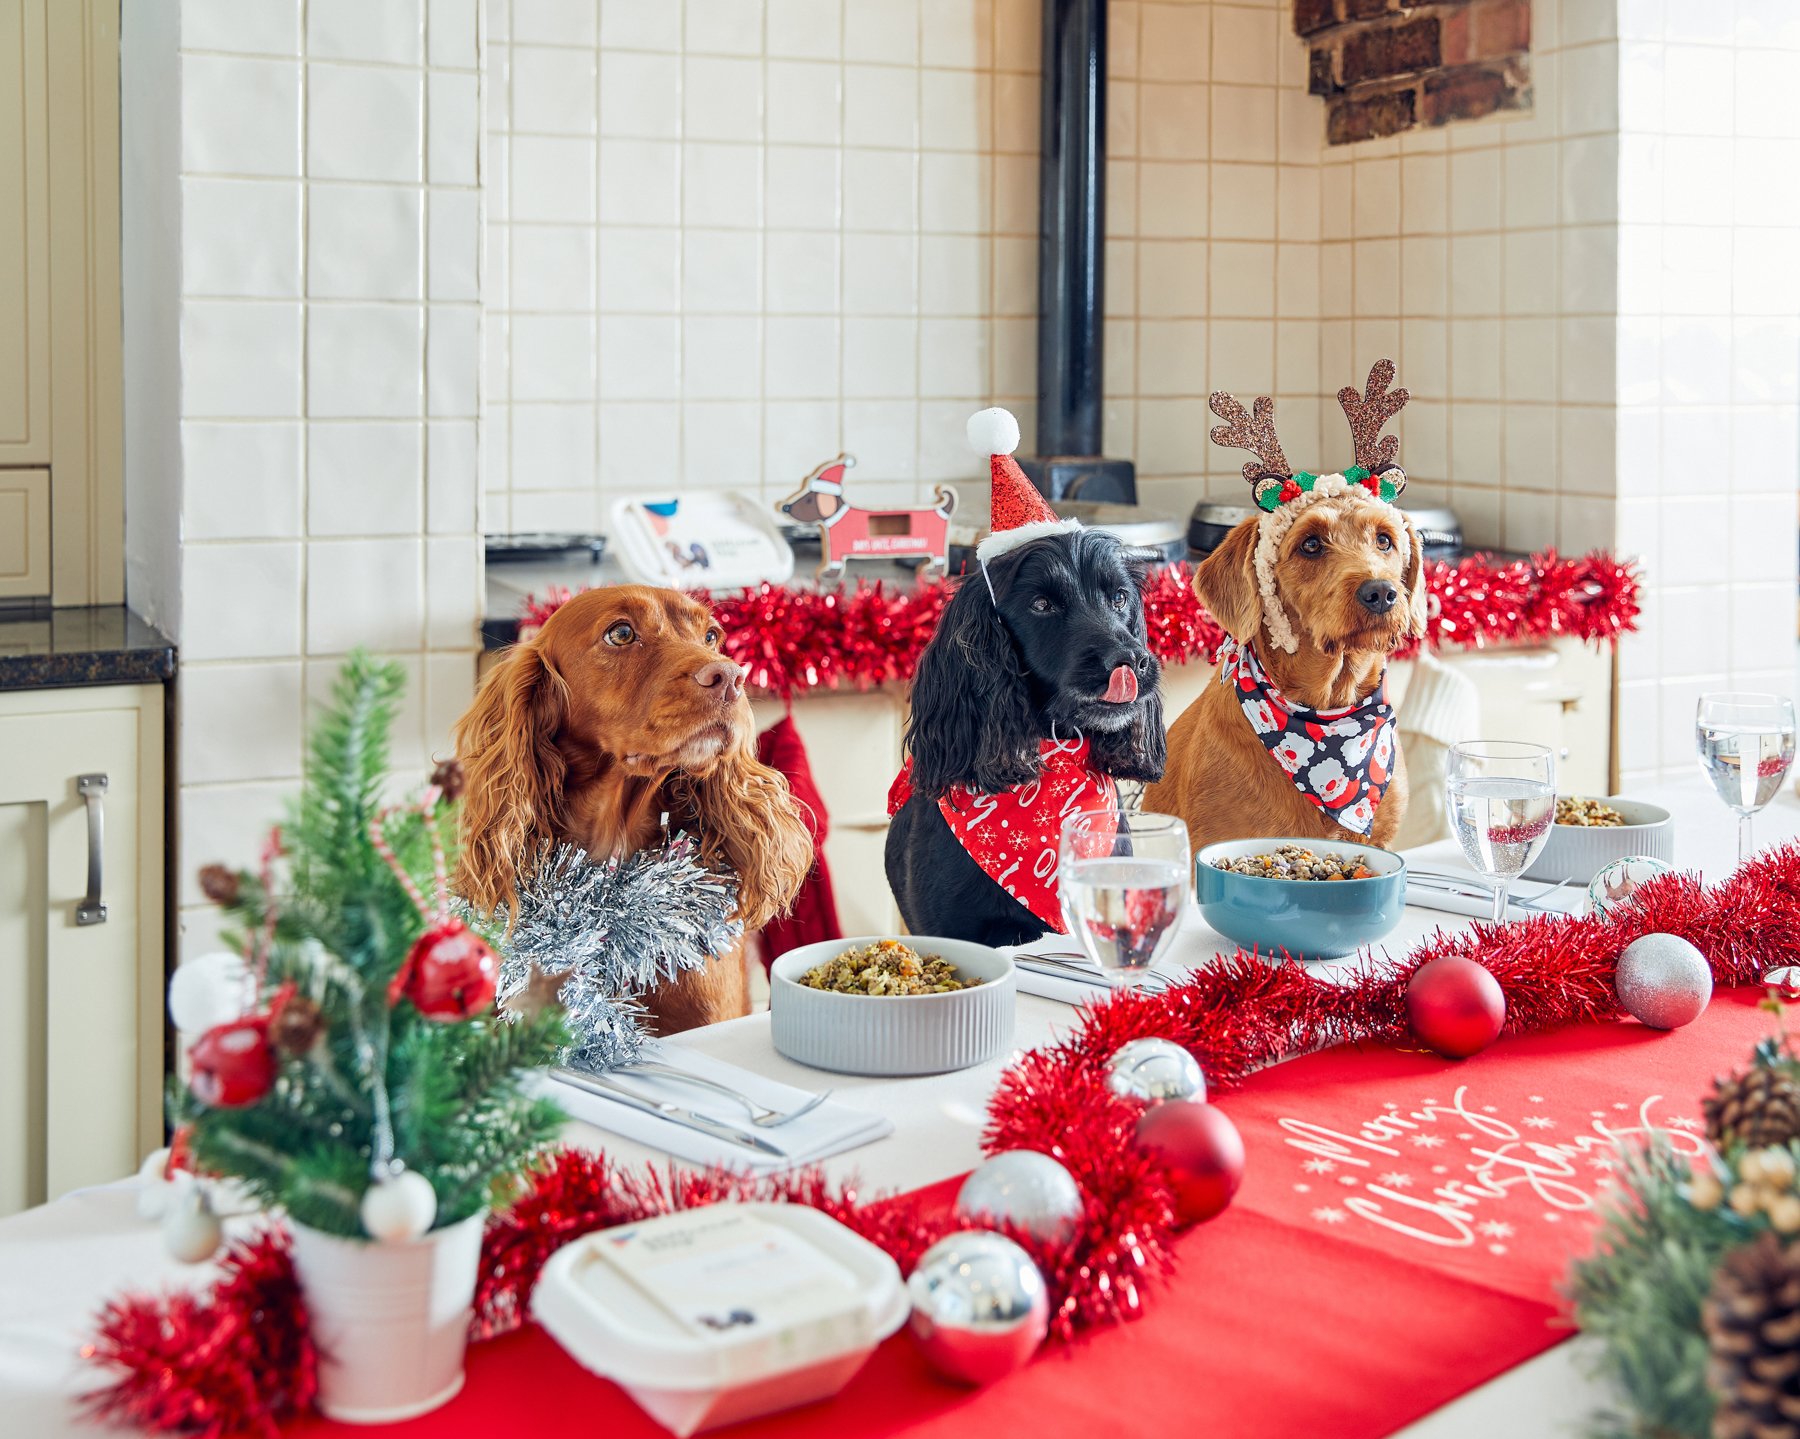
[1341,760]
[1013,835]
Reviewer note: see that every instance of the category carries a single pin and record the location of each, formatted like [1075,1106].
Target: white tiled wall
[327,201]
[1708,414]
[1482,256]
[727,239]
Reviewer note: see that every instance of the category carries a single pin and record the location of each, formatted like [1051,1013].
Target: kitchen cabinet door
[80,988]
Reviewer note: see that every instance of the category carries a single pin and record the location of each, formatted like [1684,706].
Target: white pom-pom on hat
[993,432]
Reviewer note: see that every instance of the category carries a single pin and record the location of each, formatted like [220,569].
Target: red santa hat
[1019,513]
[829,477]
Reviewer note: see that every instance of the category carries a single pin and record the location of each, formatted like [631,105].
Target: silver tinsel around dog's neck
[614,929]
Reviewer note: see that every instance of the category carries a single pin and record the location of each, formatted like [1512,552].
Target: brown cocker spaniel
[619,710]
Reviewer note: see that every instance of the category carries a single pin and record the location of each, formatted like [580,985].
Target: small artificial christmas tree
[372,1061]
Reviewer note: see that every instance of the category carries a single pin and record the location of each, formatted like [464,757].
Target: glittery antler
[1253,432]
[1368,412]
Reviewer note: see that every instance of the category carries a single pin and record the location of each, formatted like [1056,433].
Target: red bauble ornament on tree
[1204,1152]
[233,1063]
[1455,1006]
[449,973]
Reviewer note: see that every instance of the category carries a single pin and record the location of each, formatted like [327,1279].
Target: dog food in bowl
[886,966]
[1586,813]
[1294,861]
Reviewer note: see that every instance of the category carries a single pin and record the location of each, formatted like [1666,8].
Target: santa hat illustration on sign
[1018,513]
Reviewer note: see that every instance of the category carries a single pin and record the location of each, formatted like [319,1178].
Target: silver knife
[674,1113]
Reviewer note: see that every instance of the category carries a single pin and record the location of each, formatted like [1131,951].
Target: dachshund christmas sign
[848,532]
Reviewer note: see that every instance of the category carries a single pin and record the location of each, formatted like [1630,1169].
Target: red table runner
[1402,1228]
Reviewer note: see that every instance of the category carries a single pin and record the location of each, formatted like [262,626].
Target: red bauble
[233,1063]
[1203,1150]
[449,974]
[1455,1006]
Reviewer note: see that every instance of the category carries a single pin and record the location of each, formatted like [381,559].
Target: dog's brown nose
[1377,596]
[721,673]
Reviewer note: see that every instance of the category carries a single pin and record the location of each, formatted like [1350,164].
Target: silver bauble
[1663,981]
[1152,1070]
[979,1307]
[1028,1190]
[1614,883]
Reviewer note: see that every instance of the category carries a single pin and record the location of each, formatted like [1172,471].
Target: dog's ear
[513,775]
[1225,582]
[750,824]
[971,714]
[1417,602]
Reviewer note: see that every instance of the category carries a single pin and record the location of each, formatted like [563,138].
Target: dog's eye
[713,637]
[1043,605]
[1121,600]
[1384,541]
[620,634]
[1312,546]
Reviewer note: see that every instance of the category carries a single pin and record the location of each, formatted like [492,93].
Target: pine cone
[448,777]
[295,1024]
[1757,1108]
[219,884]
[1752,1323]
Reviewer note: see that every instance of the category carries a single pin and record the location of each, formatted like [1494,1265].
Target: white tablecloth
[59,1262]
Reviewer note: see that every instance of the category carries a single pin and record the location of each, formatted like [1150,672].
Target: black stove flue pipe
[1072,260]
[1071,227]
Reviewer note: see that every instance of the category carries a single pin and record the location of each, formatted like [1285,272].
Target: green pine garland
[460,1114]
[1638,1295]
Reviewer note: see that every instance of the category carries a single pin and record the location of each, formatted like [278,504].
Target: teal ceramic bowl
[1309,918]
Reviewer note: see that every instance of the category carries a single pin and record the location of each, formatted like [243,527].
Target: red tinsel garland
[233,1362]
[870,634]
[189,1364]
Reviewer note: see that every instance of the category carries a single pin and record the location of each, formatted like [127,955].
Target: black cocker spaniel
[1037,659]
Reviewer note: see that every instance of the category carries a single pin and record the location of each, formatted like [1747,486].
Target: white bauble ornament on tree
[1023,1188]
[399,1207]
[1663,981]
[191,1231]
[209,990]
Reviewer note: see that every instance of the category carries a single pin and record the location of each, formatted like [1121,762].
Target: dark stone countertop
[97,645]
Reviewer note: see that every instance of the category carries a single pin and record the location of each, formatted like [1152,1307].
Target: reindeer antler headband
[1281,492]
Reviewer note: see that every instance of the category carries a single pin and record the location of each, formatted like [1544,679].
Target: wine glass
[1745,743]
[1125,880]
[1502,797]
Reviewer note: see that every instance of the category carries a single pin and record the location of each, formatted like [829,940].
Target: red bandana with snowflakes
[1013,835]
[1341,760]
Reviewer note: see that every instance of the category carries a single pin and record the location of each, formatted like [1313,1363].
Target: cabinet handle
[92,789]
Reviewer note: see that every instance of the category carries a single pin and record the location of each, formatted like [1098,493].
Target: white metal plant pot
[391,1320]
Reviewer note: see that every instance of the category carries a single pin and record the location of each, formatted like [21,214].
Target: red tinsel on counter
[240,1360]
[236,1361]
[870,634]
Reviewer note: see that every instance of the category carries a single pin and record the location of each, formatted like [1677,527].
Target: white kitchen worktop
[59,1262]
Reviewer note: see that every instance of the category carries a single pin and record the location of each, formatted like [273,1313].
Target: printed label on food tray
[733,1276]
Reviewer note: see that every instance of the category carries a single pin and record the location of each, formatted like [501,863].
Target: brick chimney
[1384,66]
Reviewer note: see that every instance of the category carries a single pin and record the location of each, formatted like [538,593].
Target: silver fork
[1473,887]
[761,1117]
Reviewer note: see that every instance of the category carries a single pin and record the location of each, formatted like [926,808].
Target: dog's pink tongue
[1121,688]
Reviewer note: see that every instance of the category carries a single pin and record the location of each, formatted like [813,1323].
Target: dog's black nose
[1377,596]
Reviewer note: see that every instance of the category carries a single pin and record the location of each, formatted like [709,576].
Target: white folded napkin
[830,1129]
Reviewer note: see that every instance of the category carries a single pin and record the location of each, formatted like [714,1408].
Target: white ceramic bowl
[1577,852]
[893,1034]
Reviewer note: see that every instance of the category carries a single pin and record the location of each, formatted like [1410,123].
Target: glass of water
[1746,744]
[1502,797]
[1125,880]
